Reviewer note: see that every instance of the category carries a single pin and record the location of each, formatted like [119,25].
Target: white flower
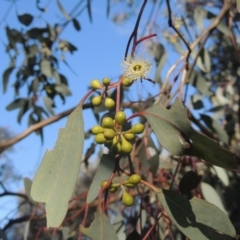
[136,68]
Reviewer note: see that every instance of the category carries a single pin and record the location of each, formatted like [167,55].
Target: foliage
[173,174]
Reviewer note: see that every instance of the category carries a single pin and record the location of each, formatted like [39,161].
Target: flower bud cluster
[132,181]
[110,131]
[97,100]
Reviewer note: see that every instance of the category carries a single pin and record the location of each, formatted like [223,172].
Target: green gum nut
[120,117]
[96,101]
[134,179]
[106,81]
[95,84]
[113,189]
[97,129]
[127,199]
[109,134]
[109,103]
[126,146]
[104,183]
[129,136]
[137,128]
[116,146]
[107,122]
[127,82]
[129,185]
[100,139]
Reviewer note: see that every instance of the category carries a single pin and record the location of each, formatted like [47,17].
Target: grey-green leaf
[6,76]
[46,68]
[48,102]
[55,179]
[104,171]
[100,229]
[25,19]
[76,24]
[196,218]
[63,11]
[17,103]
[175,133]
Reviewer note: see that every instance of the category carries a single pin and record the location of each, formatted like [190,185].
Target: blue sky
[101,47]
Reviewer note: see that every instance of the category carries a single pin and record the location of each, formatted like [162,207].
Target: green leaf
[26,106]
[175,133]
[17,103]
[6,76]
[196,218]
[199,14]
[100,229]
[207,60]
[76,24]
[104,171]
[55,179]
[189,181]
[63,11]
[63,89]
[89,10]
[200,83]
[197,101]
[27,187]
[46,68]
[238,5]
[211,195]
[25,19]
[216,127]
[48,102]
[34,86]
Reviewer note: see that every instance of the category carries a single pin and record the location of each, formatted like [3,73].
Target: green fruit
[137,128]
[100,139]
[97,129]
[96,101]
[120,117]
[113,189]
[95,84]
[115,185]
[127,199]
[107,122]
[127,82]
[129,185]
[134,179]
[109,134]
[126,146]
[116,146]
[109,103]
[129,136]
[106,81]
[104,183]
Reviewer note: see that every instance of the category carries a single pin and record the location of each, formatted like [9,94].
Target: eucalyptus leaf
[17,103]
[76,24]
[196,218]
[46,68]
[175,133]
[6,76]
[48,102]
[100,229]
[25,19]
[63,11]
[55,179]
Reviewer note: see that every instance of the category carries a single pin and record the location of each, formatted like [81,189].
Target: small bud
[120,117]
[109,103]
[95,84]
[106,81]
[96,101]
